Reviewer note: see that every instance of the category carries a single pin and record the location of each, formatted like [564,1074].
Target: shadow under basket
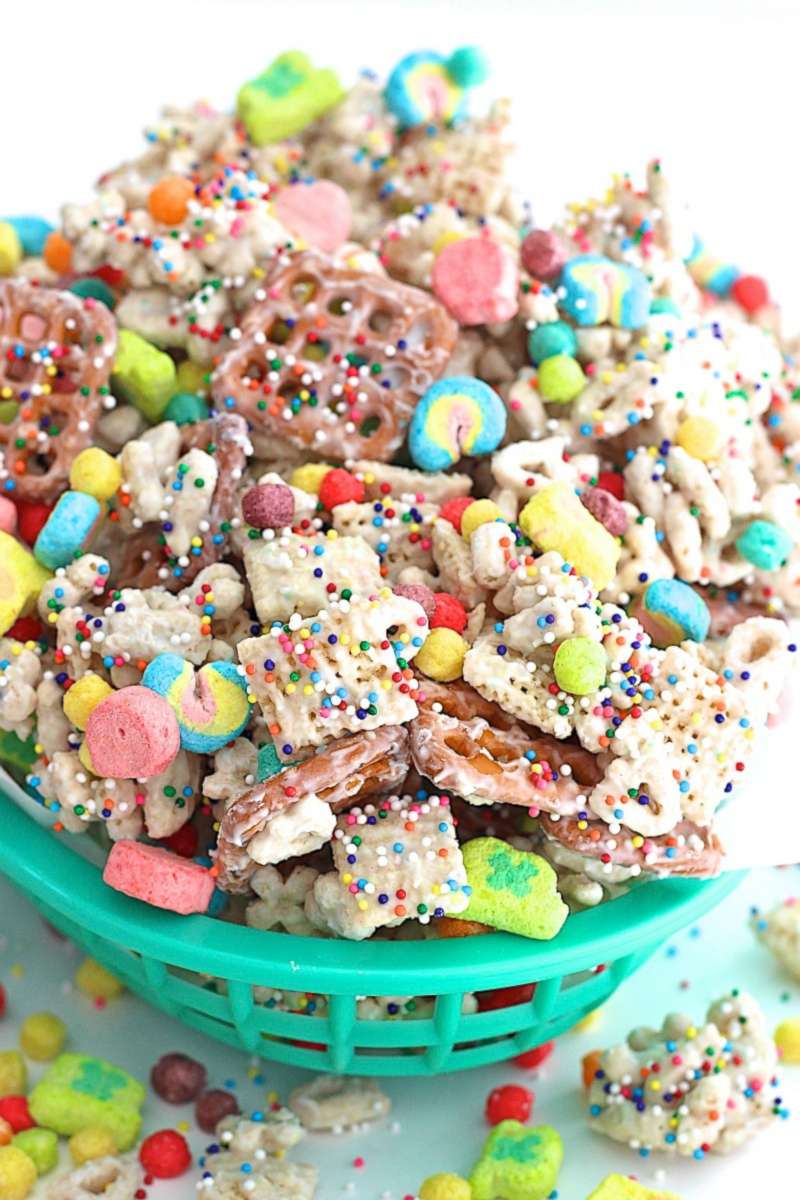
[207,972]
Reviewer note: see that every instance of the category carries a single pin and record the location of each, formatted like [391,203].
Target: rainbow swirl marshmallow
[211,705]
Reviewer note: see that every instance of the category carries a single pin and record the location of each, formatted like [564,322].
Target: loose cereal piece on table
[158,877]
[779,930]
[620,1187]
[56,353]
[512,890]
[78,1092]
[41,1146]
[113,1178]
[317,313]
[343,671]
[396,859]
[338,1102]
[276,1133]
[693,1110]
[518,1162]
[17,1173]
[292,812]
[266,1179]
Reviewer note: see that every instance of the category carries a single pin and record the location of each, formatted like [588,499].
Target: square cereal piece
[78,1092]
[294,574]
[342,671]
[395,859]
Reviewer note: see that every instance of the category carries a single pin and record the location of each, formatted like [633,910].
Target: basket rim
[42,864]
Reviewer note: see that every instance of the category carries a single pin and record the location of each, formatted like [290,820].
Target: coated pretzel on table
[56,355]
[312,366]
[347,771]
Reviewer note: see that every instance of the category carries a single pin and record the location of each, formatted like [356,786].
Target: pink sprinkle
[516,405]
[358,1162]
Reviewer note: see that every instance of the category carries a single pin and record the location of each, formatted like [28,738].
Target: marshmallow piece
[318,212]
[476,280]
[158,877]
[512,890]
[143,375]
[210,705]
[21,580]
[555,519]
[79,1092]
[519,1162]
[132,734]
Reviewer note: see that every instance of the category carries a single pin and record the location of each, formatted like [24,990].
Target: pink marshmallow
[8,515]
[477,281]
[318,212]
[159,877]
[132,734]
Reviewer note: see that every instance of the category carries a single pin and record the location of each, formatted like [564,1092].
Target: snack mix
[374,563]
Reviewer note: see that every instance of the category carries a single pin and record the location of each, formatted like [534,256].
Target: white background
[711,89]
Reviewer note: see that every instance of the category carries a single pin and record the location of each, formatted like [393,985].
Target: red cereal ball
[26,629]
[31,518]
[505,997]
[177,1078]
[268,506]
[449,613]
[183,841]
[750,292]
[543,255]
[606,509]
[536,1056]
[212,1106]
[14,1109]
[612,481]
[339,486]
[453,510]
[165,1154]
[509,1103]
[419,592]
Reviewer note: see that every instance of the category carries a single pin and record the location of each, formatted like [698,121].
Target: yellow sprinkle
[347,877]
[182,1126]
[290,689]
[308,690]
[362,904]
[18,970]
[691,1032]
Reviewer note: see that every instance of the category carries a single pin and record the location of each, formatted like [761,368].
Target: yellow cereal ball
[701,437]
[94,980]
[191,377]
[445,1187]
[92,1142]
[478,513]
[441,655]
[17,1173]
[42,1036]
[96,473]
[85,758]
[84,696]
[10,249]
[787,1039]
[309,477]
[13,1074]
[444,239]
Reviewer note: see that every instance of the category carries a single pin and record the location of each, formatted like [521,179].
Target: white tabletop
[437,1124]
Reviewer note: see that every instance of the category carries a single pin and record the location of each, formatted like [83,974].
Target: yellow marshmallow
[96,473]
[787,1039]
[21,580]
[555,519]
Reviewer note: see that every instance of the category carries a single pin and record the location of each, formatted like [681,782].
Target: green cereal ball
[17,1173]
[13,1073]
[549,339]
[95,289]
[580,666]
[765,545]
[560,379]
[185,408]
[41,1147]
[42,1036]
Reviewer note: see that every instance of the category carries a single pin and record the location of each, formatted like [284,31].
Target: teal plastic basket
[203,971]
